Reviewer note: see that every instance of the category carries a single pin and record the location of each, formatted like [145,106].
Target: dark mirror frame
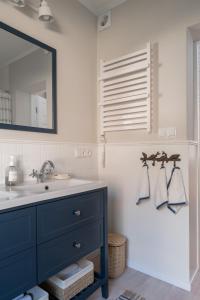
[34,41]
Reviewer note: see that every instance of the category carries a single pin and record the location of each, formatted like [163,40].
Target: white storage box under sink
[38,293]
[35,293]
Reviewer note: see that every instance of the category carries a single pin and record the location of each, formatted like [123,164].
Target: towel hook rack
[175,158]
[158,157]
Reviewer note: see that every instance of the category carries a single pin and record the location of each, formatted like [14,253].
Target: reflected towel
[161,193]
[144,193]
[176,191]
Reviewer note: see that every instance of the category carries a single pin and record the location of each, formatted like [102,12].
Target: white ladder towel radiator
[125,92]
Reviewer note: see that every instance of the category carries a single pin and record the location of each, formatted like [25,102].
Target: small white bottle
[11,177]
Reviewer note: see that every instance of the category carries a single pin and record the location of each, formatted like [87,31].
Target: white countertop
[33,193]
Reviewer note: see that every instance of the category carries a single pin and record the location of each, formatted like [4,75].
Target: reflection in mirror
[26,87]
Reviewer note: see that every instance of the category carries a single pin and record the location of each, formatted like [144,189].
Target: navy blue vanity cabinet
[40,239]
[60,217]
[17,252]
[73,226]
[56,254]
[17,231]
[17,274]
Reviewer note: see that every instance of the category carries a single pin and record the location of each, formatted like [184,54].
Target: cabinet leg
[104,290]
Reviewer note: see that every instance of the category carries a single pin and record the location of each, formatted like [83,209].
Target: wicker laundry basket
[117,254]
[95,258]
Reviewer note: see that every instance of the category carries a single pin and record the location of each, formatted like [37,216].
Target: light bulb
[45,13]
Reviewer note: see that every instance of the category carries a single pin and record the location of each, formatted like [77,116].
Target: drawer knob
[77,213]
[77,245]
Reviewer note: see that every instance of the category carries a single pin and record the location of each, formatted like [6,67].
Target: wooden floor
[148,287]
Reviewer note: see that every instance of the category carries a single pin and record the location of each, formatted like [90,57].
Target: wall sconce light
[18,3]
[44,11]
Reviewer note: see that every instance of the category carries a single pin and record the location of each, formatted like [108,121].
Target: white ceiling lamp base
[18,3]
[98,7]
[45,13]
[104,21]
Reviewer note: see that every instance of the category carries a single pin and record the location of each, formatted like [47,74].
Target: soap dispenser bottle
[11,173]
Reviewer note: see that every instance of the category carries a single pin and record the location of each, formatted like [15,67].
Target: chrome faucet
[46,170]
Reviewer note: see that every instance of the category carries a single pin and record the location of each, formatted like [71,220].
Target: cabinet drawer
[56,218]
[17,274]
[17,231]
[57,254]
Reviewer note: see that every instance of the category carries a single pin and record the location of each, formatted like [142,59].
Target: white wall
[165,24]
[31,155]
[193,213]
[74,36]
[158,241]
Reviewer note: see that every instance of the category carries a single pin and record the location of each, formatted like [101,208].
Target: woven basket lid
[115,239]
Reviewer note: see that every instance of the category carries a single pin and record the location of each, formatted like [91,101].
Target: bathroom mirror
[27,82]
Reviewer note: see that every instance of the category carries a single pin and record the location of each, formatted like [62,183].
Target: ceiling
[97,7]
[100,6]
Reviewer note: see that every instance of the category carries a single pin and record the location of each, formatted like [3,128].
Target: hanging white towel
[144,192]
[176,191]
[161,193]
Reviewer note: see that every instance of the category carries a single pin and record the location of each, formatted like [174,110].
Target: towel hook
[163,159]
[163,164]
[144,159]
[154,158]
[175,158]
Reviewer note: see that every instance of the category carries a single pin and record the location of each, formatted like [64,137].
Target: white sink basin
[50,186]
[52,189]
[8,195]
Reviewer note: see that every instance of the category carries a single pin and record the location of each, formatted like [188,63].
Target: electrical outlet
[82,152]
[89,153]
[171,131]
[162,132]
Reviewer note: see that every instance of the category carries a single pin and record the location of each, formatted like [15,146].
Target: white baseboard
[173,281]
